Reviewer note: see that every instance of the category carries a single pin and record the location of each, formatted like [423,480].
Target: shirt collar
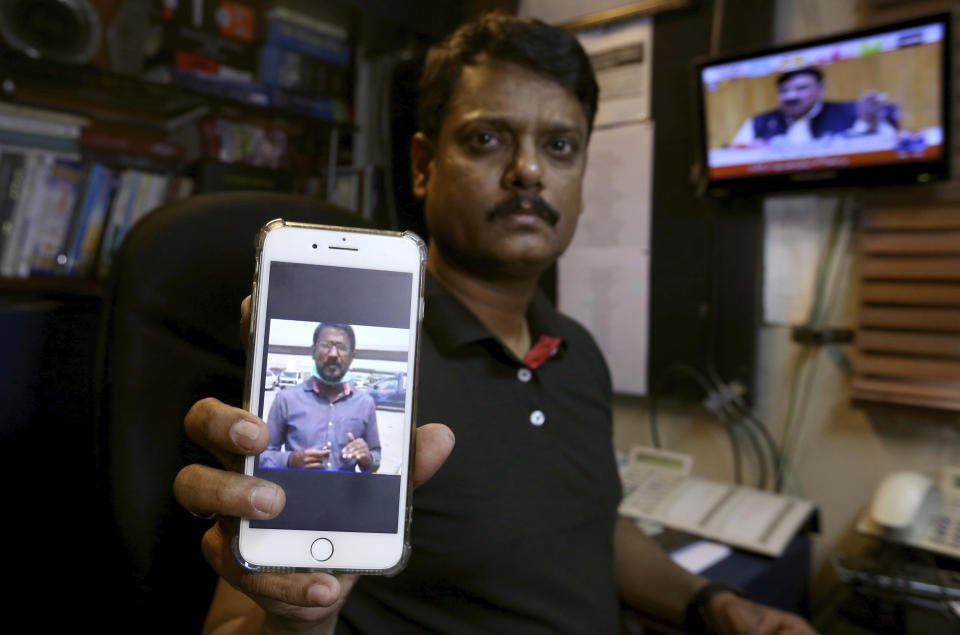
[314,386]
[451,324]
[813,112]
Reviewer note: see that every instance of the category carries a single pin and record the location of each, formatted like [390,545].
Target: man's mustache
[525,204]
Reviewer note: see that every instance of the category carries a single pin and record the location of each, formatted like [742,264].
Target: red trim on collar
[316,386]
[542,350]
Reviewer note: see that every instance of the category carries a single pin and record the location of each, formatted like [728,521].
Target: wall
[844,449]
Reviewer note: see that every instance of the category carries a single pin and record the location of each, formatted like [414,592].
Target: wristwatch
[695,620]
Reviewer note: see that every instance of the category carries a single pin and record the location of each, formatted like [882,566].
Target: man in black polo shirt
[517,531]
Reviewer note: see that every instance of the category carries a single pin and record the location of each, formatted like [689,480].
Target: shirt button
[537,417]
[524,374]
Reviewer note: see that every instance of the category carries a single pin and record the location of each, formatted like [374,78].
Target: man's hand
[868,109]
[229,433]
[289,601]
[731,614]
[311,458]
[358,449]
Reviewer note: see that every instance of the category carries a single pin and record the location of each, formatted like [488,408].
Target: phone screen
[334,376]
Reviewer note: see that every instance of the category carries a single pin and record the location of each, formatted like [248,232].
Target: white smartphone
[332,369]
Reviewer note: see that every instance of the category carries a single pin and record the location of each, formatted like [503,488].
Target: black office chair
[170,337]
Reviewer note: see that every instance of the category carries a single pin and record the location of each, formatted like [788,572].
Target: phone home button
[321,549]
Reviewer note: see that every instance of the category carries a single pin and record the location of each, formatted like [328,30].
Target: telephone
[910,508]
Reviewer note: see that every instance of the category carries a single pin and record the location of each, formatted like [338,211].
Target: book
[298,37]
[41,121]
[120,209]
[287,14]
[138,193]
[239,142]
[246,92]
[121,141]
[39,127]
[12,175]
[80,249]
[28,207]
[215,48]
[295,71]
[58,197]
[180,188]
[154,196]
[38,141]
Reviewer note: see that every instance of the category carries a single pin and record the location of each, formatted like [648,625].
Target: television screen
[862,108]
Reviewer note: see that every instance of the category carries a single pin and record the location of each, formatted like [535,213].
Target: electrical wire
[728,412]
[728,427]
[821,306]
[754,441]
[753,425]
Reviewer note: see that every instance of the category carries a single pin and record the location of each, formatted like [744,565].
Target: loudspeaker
[65,31]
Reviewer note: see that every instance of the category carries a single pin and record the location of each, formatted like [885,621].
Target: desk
[778,582]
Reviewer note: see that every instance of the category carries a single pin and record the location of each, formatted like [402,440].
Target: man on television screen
[803,115]
[322,423]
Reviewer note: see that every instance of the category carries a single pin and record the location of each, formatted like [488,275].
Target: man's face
[332,353]
[798,94]
[502,180]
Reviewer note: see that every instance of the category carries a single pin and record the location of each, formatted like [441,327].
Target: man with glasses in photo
[323,423]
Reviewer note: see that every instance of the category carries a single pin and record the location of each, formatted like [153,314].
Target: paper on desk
[700,556]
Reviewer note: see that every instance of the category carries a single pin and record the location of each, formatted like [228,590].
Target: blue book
[121,209]
[253,93]
[81,249]
[291,70]
[297,37]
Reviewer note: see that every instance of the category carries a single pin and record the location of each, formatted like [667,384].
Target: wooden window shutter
[908,335]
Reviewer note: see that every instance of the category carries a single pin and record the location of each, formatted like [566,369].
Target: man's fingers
[226,431]
[205,490]
[245,322]
[434,444]
[301,589]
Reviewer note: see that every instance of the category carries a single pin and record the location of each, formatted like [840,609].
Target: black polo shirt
[514,534]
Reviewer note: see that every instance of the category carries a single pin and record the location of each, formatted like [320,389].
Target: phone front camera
[314,245]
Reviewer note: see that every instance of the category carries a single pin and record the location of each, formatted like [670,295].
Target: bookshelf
[147,140]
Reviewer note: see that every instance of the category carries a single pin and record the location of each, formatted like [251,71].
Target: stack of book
[40,128]
[67,198]
[305,63]
[242,142]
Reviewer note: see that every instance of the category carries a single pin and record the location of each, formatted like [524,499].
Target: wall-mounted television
[869,107]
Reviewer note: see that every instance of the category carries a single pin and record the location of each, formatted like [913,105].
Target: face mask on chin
[316,375]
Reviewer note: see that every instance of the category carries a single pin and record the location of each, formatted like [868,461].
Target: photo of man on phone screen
[324,423]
